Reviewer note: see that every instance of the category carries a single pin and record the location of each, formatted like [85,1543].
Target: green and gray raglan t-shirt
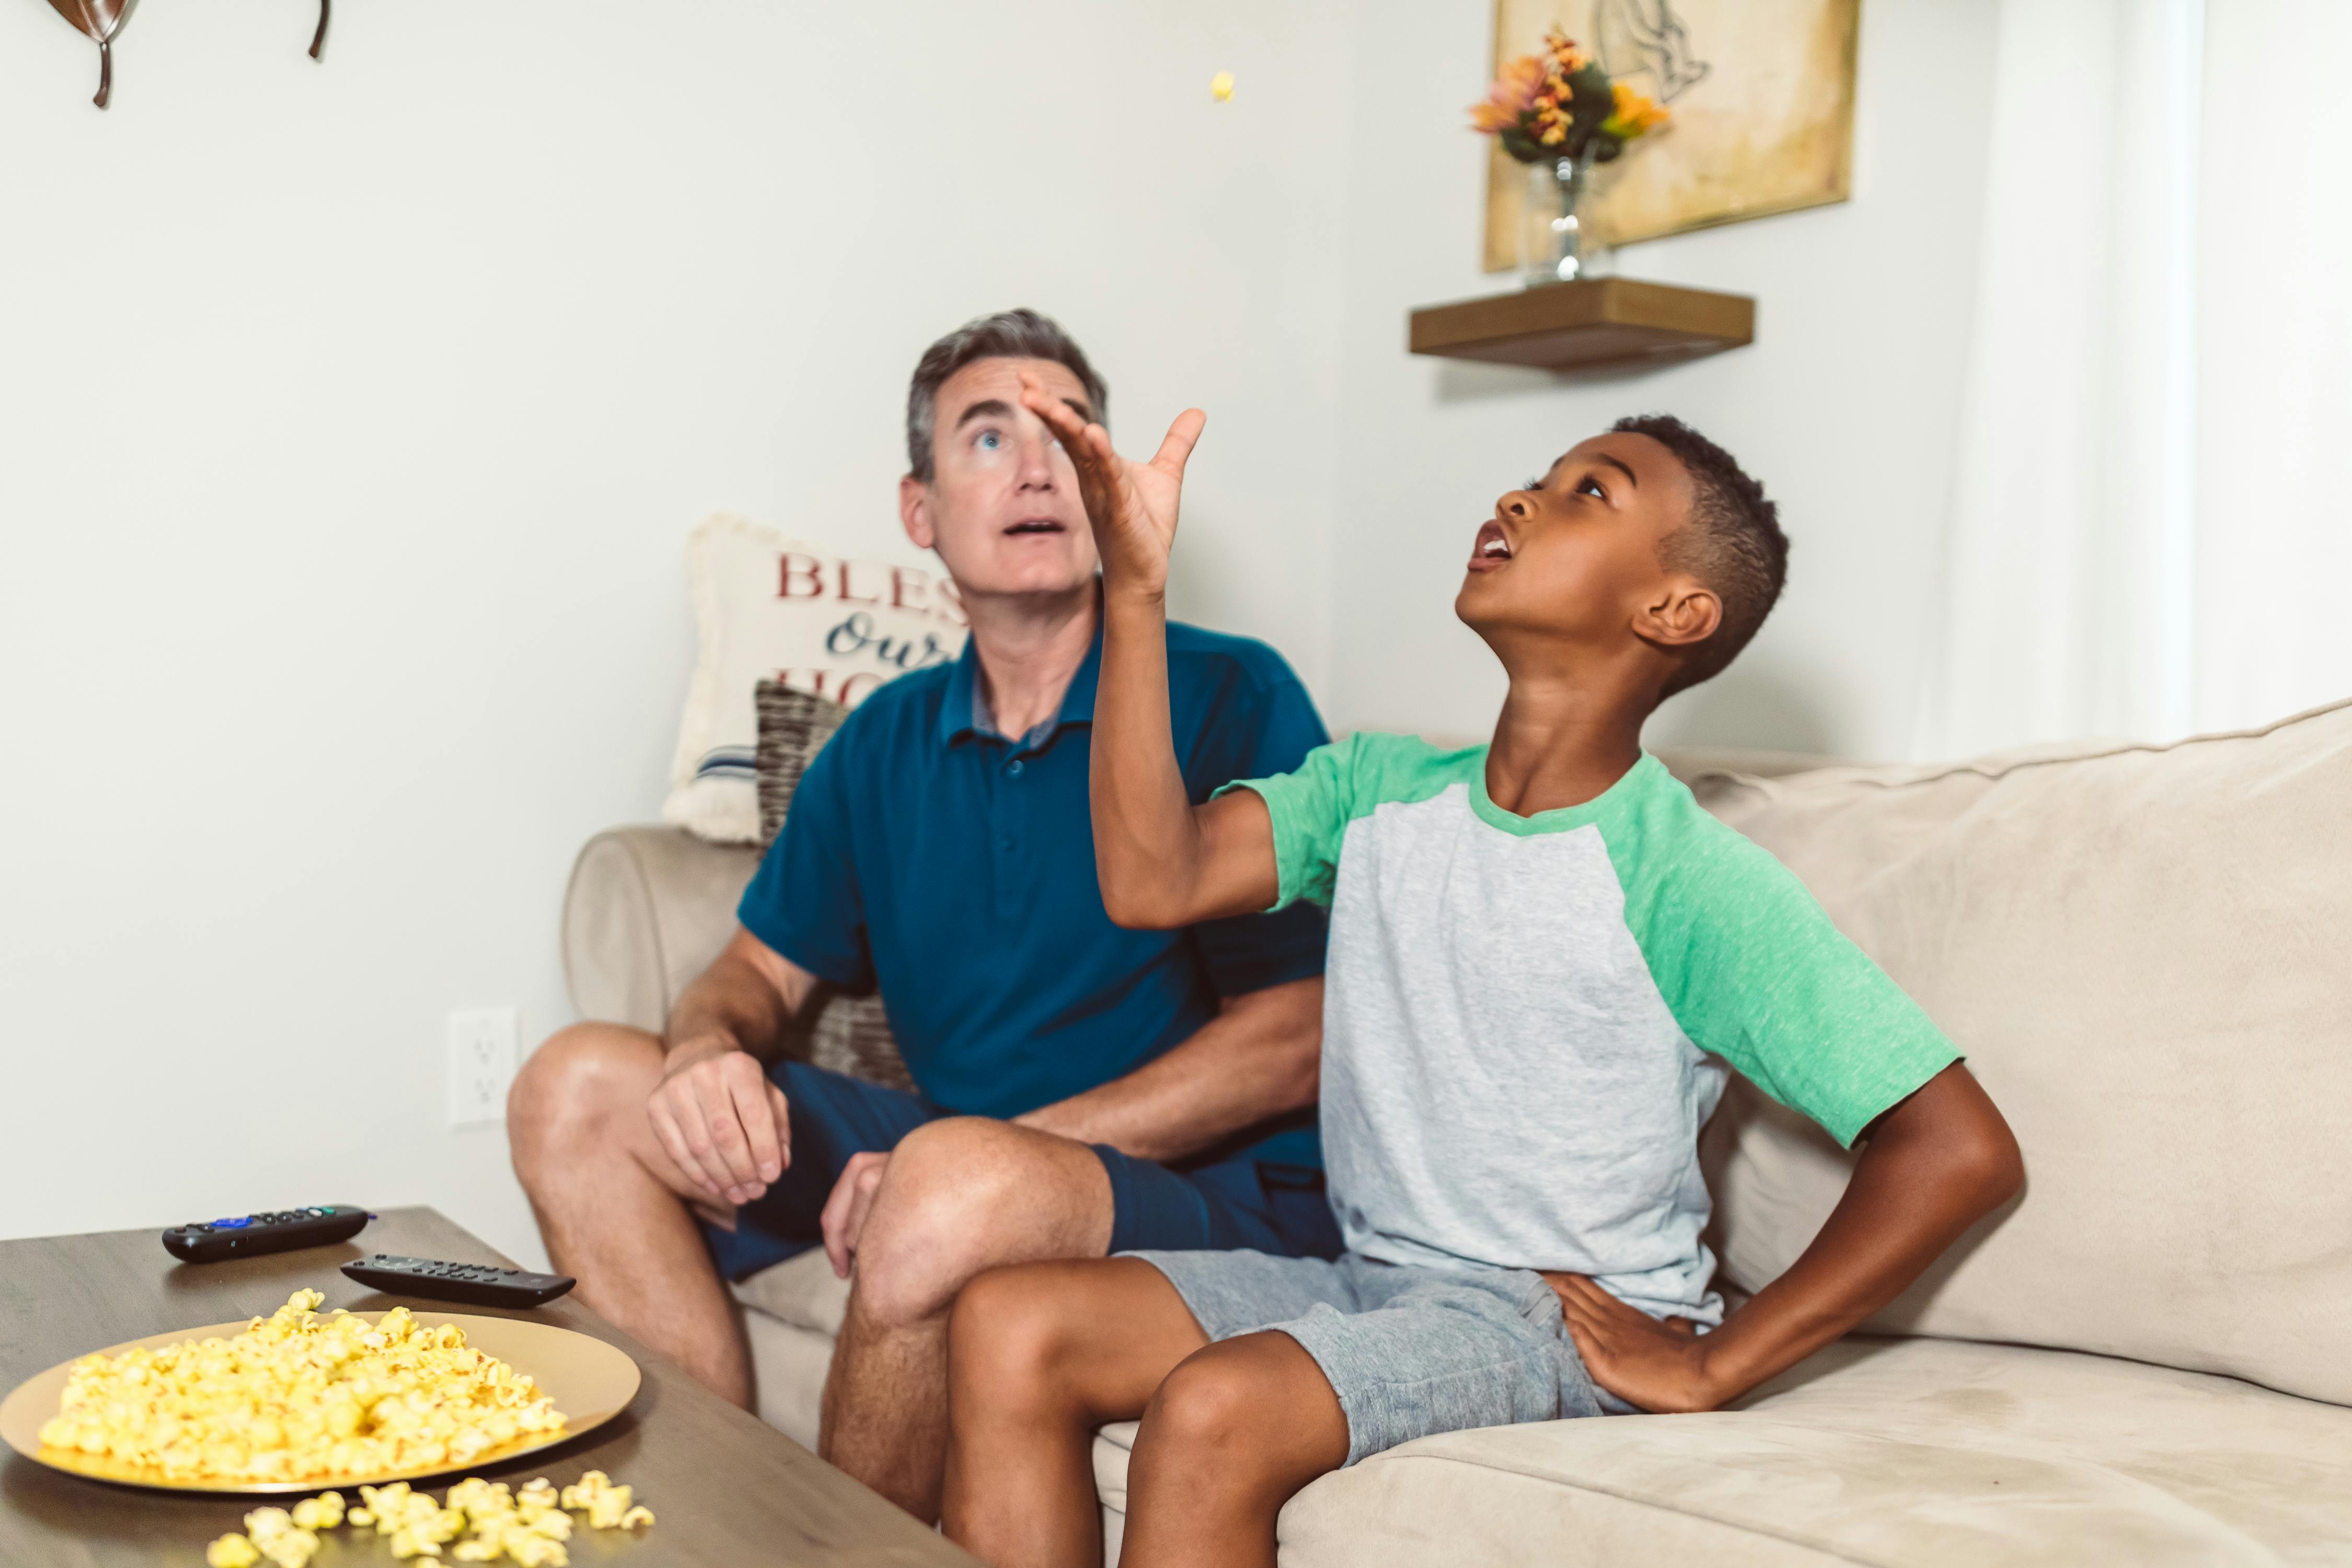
[1526,1017]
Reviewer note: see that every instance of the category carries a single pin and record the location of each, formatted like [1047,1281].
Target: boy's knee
[1209,1404]
[1007,1333]
[573,1084]
[1250,1419]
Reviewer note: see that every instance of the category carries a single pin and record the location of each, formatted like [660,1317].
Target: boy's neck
[1563,740]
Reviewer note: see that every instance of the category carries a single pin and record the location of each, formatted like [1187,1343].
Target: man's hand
[844,1220]
[717,1115]
[1657,1364]
[1132,506]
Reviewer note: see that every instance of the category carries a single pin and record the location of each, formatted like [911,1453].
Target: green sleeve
[1311,808]
[1754,972]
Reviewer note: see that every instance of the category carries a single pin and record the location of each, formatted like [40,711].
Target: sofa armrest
[648,909]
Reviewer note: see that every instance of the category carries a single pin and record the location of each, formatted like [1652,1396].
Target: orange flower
[1511,96]
[1631,113]
[1567,58]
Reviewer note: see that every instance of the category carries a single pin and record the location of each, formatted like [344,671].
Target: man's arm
[1258,1058]
[715,1111]
[1162,862]
[1932,1166]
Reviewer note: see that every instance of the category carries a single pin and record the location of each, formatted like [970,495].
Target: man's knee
[573,1085]
[960,1195]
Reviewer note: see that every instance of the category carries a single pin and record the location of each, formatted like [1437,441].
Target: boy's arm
[1933,1165]
[1162,862]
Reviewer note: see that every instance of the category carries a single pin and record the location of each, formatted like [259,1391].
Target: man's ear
[1684,612]
[914,512]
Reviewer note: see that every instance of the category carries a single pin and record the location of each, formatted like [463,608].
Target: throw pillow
[768,609]
[850,1033]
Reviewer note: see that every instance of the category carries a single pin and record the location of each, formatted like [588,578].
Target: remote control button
[232,1224]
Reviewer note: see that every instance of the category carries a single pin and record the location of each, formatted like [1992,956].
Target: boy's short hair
[1020,333]
[1732,543]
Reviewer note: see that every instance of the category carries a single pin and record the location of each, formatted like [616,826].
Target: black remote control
[212,1241]
[477,1284]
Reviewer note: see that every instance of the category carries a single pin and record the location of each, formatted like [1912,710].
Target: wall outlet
[482,1056]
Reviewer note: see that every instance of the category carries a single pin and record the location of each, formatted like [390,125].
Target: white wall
[1845,405]
[352,417]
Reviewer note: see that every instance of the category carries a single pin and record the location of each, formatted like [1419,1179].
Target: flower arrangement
[1562,104]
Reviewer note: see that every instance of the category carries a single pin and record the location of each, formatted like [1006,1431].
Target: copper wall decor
[105,19]
[102,20]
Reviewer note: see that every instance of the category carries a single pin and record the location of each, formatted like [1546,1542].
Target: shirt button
[1013,767]
[1005,842]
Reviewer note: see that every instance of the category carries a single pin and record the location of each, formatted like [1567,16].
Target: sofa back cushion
[2147,954]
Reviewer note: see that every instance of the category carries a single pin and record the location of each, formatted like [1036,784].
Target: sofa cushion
[765,608]
[2143,952]
[803,1290]
[1916,1453]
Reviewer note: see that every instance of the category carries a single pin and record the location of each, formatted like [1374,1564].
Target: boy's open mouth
[1034,525]
[1492,550]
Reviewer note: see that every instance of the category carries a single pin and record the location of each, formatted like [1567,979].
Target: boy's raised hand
[1132,506]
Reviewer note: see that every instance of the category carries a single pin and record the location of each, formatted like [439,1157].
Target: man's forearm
[1257,1059]
[737,1004]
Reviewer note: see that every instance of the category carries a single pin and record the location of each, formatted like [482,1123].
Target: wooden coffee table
[727,1487]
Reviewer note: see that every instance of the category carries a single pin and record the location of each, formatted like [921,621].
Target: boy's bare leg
[1040,1355]
[613,1206]
[1234,1431]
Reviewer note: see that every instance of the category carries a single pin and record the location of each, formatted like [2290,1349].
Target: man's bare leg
[1039,1356]
[959,1197]
[613,1206]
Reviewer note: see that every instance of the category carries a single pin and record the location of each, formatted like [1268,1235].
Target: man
[1121,1088]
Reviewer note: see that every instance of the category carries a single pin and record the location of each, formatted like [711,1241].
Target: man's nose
[1037,471]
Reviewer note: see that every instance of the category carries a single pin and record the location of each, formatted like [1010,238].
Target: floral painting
[1760,94]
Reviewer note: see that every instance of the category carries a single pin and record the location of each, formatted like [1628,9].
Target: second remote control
[477,1284]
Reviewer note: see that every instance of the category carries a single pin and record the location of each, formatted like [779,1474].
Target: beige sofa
[2147,1360]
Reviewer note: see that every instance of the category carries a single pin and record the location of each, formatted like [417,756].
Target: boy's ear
[1684,612]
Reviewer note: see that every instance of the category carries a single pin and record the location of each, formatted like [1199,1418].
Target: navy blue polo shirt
[954,869]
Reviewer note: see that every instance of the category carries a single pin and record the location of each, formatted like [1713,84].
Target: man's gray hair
[1008,334]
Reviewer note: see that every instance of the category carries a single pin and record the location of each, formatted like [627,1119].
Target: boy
[1538,950]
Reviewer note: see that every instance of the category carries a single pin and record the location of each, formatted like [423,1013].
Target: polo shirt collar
[958,709]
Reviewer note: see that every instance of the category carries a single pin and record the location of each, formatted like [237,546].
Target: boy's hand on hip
[720,1118]
[1132,506]
[1658,1365]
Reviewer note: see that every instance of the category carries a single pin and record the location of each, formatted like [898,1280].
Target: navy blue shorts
[1232,1204]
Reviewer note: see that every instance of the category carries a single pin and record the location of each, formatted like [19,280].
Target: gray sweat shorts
[1410,1352]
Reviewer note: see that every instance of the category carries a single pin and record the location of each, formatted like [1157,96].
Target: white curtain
[2146,536]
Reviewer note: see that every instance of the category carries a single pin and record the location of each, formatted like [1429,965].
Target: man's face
[1574,556]
[1002,507]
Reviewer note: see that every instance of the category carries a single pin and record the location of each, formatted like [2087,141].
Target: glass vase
[1555,246]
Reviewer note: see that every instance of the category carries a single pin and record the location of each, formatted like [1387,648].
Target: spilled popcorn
[480,1521]
[298,1397]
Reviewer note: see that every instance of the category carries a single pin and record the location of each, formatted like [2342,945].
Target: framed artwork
[1762,95]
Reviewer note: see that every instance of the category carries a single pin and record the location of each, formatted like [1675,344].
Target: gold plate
[590,1381]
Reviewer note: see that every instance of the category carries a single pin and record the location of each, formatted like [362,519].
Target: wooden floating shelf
[1594,321]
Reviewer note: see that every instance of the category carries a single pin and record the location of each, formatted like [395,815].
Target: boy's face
[1574,557]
